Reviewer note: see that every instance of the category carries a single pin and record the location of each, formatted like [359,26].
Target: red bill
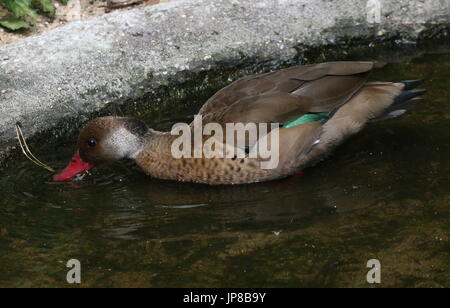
[76,166]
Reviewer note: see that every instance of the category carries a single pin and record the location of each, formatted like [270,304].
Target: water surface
[384,194]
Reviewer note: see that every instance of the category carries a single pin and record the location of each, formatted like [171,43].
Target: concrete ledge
[83,66]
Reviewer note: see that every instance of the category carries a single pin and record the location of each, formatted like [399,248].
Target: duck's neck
[126,144]
[157,141]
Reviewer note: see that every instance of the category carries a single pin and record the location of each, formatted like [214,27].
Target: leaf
[13,23]
[47,6]
[21,8]
[64,1]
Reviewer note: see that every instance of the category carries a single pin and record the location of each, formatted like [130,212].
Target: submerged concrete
[84,66]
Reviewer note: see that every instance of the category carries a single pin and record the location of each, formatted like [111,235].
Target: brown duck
[317,106]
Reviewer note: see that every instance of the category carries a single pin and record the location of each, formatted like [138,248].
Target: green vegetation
[24,13]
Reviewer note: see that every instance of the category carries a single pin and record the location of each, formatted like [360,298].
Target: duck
[316,107]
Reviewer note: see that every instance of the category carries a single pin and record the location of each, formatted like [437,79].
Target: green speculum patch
[321,117]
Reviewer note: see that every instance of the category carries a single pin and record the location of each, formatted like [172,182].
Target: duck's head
[105,140]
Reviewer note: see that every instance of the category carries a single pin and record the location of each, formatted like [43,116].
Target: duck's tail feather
[404,101]
[411,84]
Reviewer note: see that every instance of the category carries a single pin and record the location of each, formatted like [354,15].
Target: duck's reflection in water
[163,210]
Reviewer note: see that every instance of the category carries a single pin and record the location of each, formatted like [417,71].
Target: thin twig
[26,151]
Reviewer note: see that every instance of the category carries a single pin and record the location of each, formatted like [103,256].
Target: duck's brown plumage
[281,97]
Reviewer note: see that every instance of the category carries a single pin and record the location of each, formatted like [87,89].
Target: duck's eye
[92,143]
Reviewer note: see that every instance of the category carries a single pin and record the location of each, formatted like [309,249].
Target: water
[384,194]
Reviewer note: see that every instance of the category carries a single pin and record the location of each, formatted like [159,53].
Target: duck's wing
[372,102]
[287,94]
[265,108]
[305,144]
